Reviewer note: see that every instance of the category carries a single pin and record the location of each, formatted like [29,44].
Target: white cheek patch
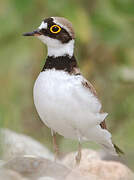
[50,42]
[43,25]
[47,40]
[56,48]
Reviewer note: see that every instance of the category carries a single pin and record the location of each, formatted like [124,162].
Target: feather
[118,150]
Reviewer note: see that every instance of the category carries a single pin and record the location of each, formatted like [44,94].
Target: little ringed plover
[65,101]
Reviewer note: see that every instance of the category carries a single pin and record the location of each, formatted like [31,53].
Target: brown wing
[88,85]
[75,71]
[103,125]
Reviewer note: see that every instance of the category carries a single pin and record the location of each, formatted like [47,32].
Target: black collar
[65,63]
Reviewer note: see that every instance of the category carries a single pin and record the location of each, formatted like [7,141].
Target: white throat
[56,48]
[62,49]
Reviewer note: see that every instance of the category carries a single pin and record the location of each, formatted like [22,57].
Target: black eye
[55,29]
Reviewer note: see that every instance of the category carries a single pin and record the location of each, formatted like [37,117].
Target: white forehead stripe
[43,25]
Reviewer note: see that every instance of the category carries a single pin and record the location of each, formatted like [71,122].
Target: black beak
[34,33]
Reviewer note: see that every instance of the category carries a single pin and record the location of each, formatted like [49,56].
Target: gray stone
[35,168]
[10,175]
[26,159]
[15,144]
[91,163]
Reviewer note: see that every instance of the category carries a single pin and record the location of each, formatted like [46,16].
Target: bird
[65,100]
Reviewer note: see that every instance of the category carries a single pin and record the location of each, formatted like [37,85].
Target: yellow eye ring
[55,29]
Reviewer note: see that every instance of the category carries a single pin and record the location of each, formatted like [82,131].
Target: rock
[104,170]
[1,163]
[10,175]
[26,159]
[35,168]
[87,156]
[46,178]
[15,144]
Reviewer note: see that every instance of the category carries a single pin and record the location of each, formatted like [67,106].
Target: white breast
[67,107]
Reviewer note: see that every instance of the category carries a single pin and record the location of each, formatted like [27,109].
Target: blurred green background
[105,52]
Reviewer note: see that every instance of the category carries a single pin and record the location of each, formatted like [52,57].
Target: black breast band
[65,63]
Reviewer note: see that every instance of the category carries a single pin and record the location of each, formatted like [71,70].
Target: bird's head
[58,34]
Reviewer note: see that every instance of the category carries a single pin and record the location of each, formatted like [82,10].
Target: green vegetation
[104,49]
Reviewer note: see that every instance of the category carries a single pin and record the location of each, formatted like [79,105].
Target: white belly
[65,106]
